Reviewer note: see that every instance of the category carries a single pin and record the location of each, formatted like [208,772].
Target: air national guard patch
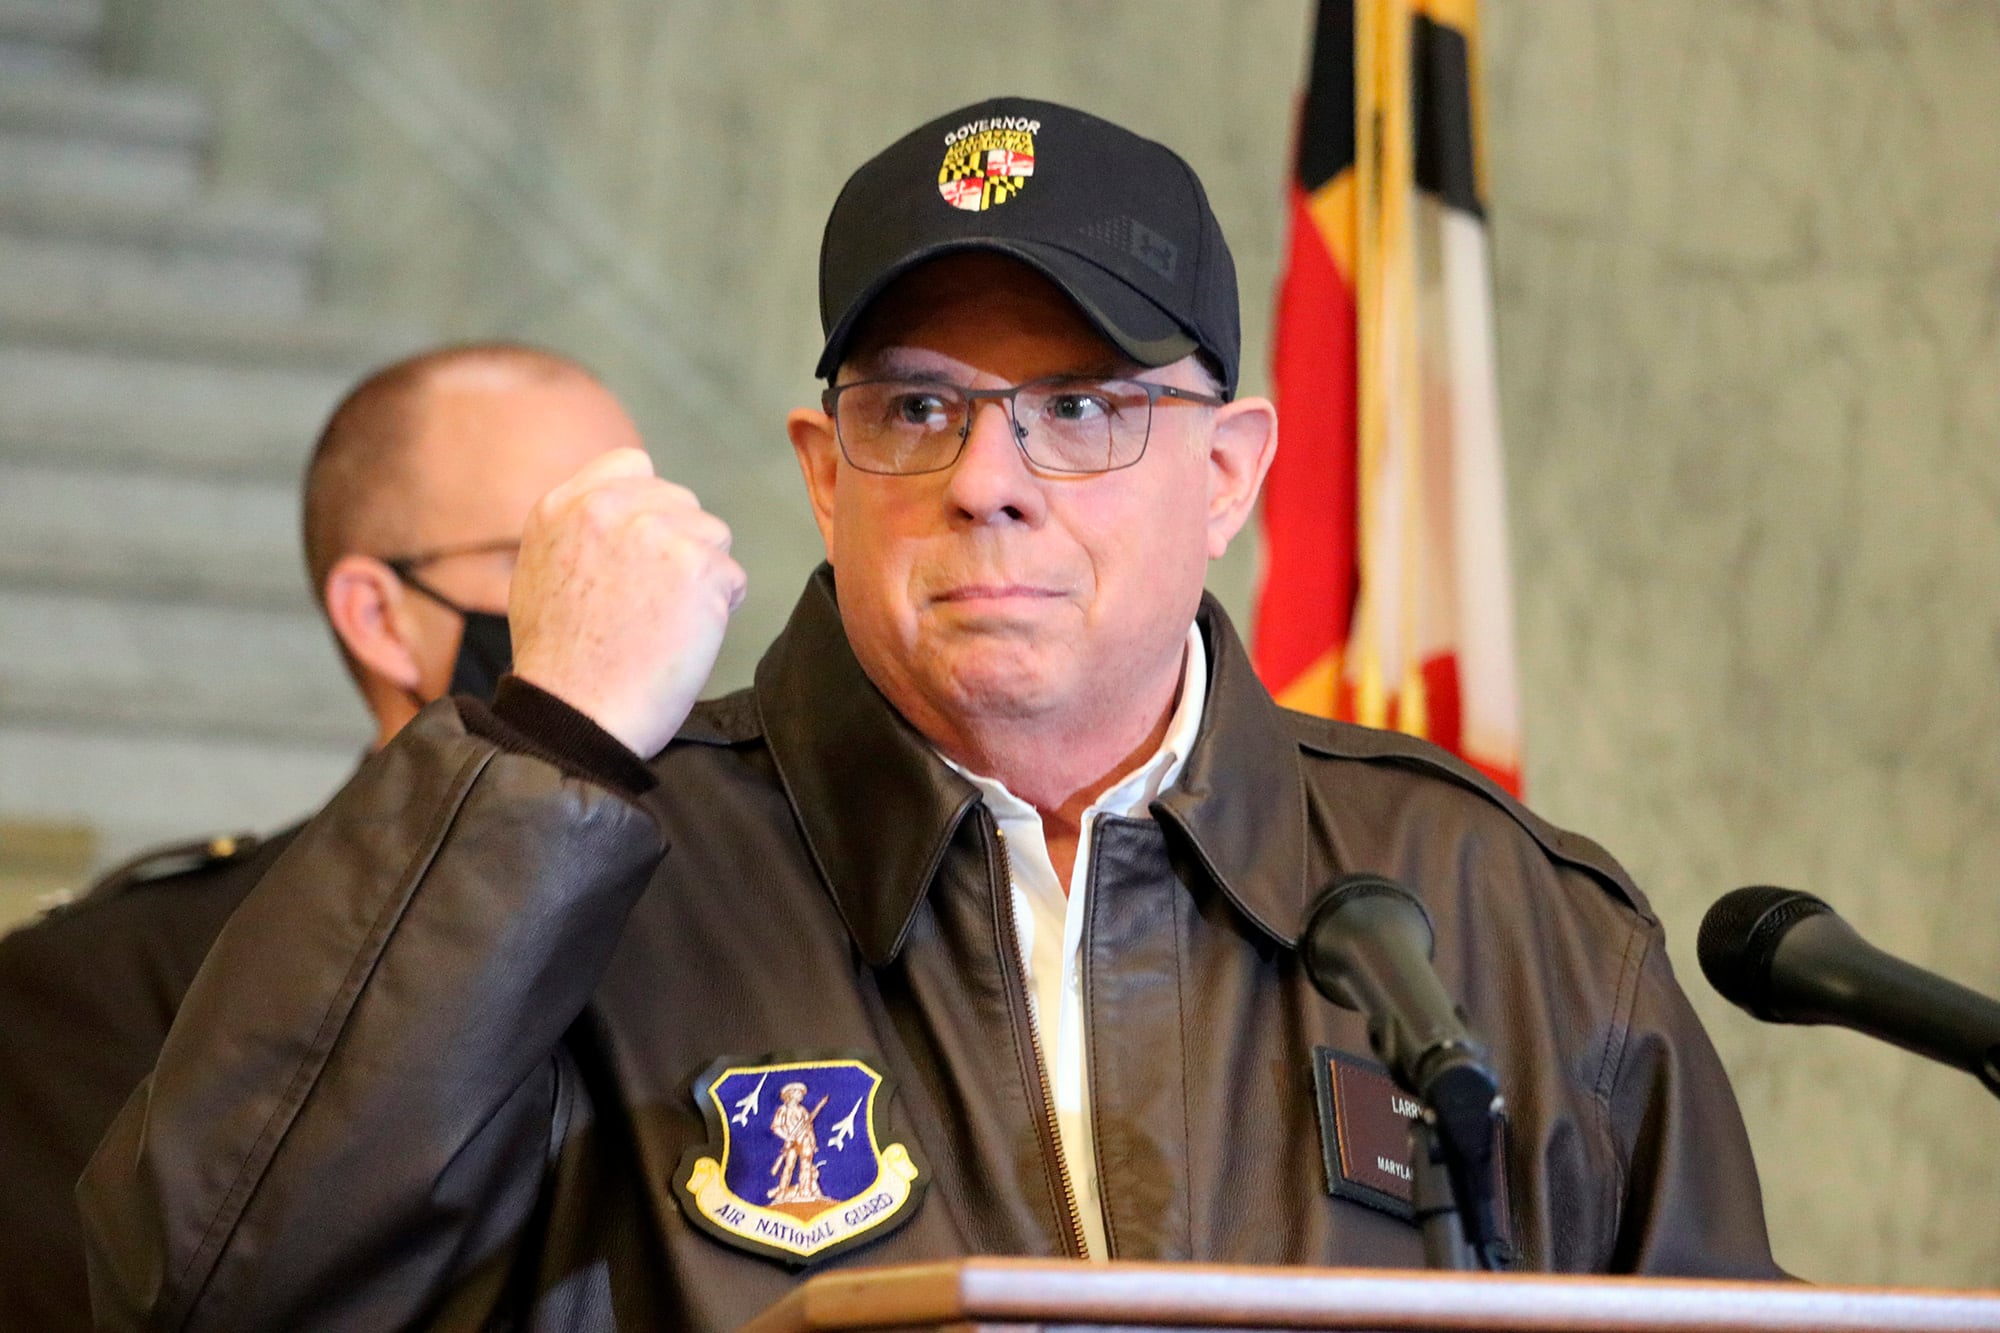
[795,1168]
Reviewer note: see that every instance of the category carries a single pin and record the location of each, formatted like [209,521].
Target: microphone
[1367,946]
[1787,957]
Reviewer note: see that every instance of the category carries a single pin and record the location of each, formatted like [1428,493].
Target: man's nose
[992,477]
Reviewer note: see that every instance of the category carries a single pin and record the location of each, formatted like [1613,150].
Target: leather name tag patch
[1364,1133]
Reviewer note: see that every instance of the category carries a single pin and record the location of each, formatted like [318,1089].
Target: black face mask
[485,653]
[485,647]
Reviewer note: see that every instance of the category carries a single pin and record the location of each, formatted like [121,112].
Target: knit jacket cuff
[526,719]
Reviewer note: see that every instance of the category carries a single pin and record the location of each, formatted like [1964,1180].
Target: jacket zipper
[1078,1247]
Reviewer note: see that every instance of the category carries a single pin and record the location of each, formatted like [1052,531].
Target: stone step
[243,255]
[240,225]
[146,537]
[136,791]
[85,135]
[139,322]
[129,111]
[173,669]
[49,36]
[101,409]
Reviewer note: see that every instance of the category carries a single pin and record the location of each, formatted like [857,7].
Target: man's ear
[818,450]
[1241,446]
[363,596]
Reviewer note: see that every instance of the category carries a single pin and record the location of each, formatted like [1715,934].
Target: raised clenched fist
[621,596]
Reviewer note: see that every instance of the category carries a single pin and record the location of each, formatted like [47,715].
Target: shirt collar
[1131,794]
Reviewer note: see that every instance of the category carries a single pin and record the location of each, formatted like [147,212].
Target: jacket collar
[1241,800]
[878,807]
[876,804]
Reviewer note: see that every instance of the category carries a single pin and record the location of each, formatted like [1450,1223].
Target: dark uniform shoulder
[1345,740]
[89,993]
[142,930]
[173,861]
[729,720]
[200,863]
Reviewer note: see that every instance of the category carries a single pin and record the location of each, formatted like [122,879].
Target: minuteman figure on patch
[798,1175]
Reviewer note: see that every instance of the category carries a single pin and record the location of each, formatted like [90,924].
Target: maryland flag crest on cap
[987,162]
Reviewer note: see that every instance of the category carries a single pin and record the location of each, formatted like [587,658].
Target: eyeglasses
[405,567]
[1063,423]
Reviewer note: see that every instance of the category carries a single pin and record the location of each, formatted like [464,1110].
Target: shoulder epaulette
[729,720]
[1345,740]
[180,858]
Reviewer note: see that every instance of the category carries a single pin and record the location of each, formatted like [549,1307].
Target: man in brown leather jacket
[1002,860]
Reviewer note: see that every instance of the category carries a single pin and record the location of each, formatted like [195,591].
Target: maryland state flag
[1386,598]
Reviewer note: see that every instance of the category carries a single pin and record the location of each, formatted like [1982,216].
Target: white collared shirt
[1050,924]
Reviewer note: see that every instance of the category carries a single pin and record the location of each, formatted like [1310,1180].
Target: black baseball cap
[1118,222]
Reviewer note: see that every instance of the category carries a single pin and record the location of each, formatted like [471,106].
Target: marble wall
[1748,258]
[1749,268]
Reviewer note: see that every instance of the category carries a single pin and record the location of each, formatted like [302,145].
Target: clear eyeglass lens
[1067,425]
[1083,426]
[901,427]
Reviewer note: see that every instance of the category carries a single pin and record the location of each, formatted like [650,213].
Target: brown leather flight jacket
[438,1070]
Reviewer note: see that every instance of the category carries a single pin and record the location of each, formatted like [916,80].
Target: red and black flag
[1386,597]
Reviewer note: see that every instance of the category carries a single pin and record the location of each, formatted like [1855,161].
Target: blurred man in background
[414,503]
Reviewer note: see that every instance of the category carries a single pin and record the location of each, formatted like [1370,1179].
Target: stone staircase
[164,365]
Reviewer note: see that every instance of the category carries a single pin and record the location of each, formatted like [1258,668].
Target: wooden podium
[1048,1295]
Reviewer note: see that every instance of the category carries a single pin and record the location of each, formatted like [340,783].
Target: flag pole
[1387,390]
[1365,646]
[1404,430]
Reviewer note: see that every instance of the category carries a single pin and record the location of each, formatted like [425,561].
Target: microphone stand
[1452,1167]
[1367,945]
[1445,1246]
